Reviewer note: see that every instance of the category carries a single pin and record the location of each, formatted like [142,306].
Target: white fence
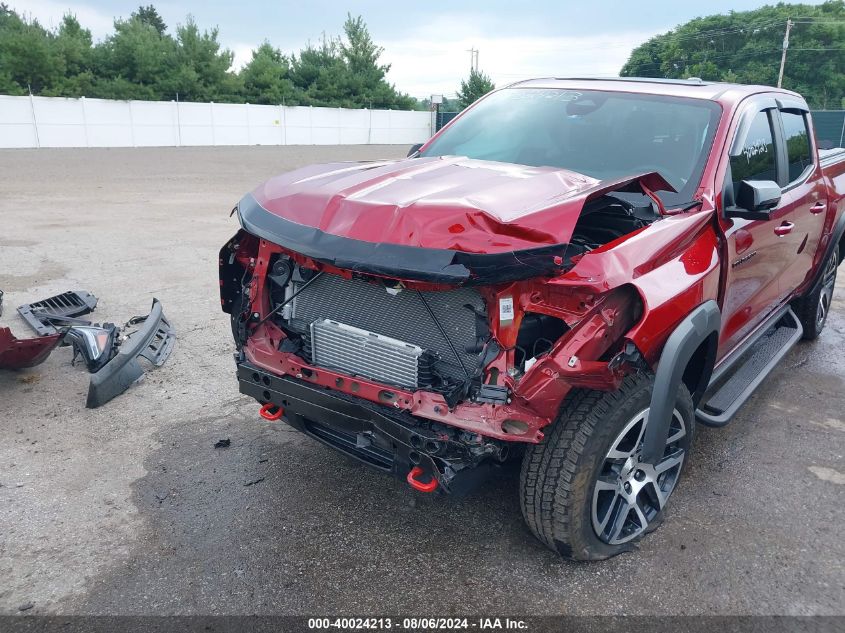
[59,122]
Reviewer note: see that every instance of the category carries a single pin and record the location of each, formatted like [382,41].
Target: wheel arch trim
[696,329]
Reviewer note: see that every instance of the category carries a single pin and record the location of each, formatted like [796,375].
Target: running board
[738,377]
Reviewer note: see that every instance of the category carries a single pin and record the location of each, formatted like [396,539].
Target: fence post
[85,122]
[34,120]
[131,125]
[213,135]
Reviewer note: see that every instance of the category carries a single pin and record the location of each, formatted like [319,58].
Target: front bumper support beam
[393,442]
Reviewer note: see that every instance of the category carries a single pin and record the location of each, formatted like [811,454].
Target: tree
[745,47]
[201,67]
[141,60]
[149,15]
[346,72]
[474,87]
[266,78]
[27,57]
[135,62]
[73,55]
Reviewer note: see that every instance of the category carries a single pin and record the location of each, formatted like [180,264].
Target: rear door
[804,195]
[758,257]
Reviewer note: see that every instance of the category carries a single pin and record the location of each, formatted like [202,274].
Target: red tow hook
[271,412]
[416,471]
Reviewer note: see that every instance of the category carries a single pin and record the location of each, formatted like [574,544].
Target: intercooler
[364,329]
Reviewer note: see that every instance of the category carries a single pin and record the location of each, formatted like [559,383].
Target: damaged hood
[399,217]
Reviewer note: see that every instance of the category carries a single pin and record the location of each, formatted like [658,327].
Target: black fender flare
[682,343]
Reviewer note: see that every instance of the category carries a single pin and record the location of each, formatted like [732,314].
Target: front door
[758,255]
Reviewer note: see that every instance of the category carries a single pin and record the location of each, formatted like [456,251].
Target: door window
[797,144]
[756,158]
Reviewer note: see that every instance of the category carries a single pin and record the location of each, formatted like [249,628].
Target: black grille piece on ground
[63,309]
[401,316]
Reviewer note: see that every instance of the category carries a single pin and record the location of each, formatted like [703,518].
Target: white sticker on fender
[505,309]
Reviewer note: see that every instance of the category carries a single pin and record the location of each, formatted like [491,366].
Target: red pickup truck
[573,273]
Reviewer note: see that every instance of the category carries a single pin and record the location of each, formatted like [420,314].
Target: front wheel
[585,492]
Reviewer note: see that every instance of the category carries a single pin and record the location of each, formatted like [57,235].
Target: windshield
[600,134]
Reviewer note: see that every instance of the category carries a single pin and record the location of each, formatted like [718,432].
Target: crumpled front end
[407,374]
[433,351]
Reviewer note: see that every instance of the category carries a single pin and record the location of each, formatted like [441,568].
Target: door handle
[819,207]
[784,229]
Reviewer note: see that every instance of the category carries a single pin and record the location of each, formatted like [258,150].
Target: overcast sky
[427,42]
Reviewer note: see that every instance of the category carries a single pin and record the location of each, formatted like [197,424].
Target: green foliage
[149,15]
[346,72]
[266,78]
[473,88]
[745,47]
[140,60]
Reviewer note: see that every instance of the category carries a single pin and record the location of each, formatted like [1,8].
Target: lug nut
[639,475]
[627,487]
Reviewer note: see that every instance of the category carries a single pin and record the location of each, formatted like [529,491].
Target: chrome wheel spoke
[621,453]
[605,484]
[675,459]
[607,515]
[619,520]
[640,517]
[830,274]
[676,436]
[658,494]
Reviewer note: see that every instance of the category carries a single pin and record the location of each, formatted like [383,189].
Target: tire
[813,309]
[559,482]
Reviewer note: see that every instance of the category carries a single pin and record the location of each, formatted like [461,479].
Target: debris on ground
[223,443]
[110,353]
[254,481]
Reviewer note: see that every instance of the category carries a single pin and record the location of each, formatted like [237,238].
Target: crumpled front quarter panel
[673,264]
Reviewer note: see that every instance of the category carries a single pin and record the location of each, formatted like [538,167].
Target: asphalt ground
[129,508]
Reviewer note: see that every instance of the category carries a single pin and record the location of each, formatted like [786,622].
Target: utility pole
[473,58]
[789,24]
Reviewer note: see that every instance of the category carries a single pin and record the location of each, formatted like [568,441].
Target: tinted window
[597,133]
[756,160]
[797,144]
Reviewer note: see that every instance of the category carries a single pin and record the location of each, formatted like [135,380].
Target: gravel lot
[128,509]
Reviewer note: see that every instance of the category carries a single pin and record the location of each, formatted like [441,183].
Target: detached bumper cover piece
[153,340]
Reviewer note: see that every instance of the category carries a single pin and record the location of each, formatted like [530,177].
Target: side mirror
[414,149]
[755,200]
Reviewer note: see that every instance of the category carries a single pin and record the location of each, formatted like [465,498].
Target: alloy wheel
[826,295]
[629,493]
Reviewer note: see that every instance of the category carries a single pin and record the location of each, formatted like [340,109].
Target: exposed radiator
[400,317]
[359,352]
